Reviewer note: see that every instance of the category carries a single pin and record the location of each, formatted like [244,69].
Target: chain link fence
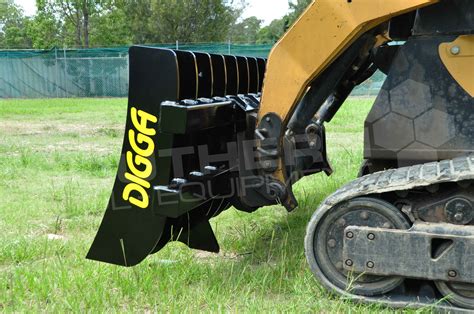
[66,73]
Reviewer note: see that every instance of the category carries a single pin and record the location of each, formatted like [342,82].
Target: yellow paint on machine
[458,58]
[143,147]
[318,37]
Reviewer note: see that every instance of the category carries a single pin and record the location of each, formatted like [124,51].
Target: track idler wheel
[457,293]
[325,238]
[460,294]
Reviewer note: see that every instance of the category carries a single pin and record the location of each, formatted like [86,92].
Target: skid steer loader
[206,132]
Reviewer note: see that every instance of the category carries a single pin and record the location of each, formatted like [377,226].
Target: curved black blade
[262,67]
[243,69]
[131,228]
[201,237]
[126,238]
[193,228]
[205,75]
[188,75]
[253,75]
[232,75]
[220,75]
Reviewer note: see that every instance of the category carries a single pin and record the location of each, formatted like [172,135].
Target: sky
[266,10]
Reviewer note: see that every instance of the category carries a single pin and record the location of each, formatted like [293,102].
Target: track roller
[324,244]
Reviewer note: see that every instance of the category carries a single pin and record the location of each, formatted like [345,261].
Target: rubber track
[401,179]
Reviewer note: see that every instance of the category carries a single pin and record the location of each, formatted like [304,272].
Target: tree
[43,28]
[138,17]
[82,23]
[246,31]
[12,26]
[296,9]
[273,32]
[111,28]
[74,17]
[76,14]
[192,20]
[94,23]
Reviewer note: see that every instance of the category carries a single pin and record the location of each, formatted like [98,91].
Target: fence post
[105,88]
[229,47]
[65,72]
[177,45]
[57,70]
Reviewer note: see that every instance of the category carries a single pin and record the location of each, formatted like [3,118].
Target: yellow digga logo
[139,157]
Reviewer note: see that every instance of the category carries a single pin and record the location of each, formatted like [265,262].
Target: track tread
[406,178]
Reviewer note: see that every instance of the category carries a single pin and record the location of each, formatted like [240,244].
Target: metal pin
[455,50]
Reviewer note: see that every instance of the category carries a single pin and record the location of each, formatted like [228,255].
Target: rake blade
[178,100]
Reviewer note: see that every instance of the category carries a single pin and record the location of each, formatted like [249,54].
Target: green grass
[58,160]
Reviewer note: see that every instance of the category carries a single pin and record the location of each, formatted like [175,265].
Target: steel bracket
[427,251]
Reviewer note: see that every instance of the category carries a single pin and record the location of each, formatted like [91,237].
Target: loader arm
[325,30]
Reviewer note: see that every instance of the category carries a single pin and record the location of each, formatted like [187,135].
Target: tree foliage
[105,23]
[271,33]
[192,20]
[12,26]
[75,17]
[138,14]
[246,31]
[43,28]
[296,9]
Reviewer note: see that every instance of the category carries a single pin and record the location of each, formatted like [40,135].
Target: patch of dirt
[35,128]
[71,146]
[55,237]
[209,257]
[19,128]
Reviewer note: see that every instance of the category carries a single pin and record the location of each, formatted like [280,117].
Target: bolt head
[268,119]
[455,50]
[350,234]
[349,263]
[364,215]
[332,243]
[459,217]
[452,274]
[341,222]
[371,236]
[370,264]
[459,211]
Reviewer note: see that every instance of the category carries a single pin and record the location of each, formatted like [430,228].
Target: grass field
[58,160]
